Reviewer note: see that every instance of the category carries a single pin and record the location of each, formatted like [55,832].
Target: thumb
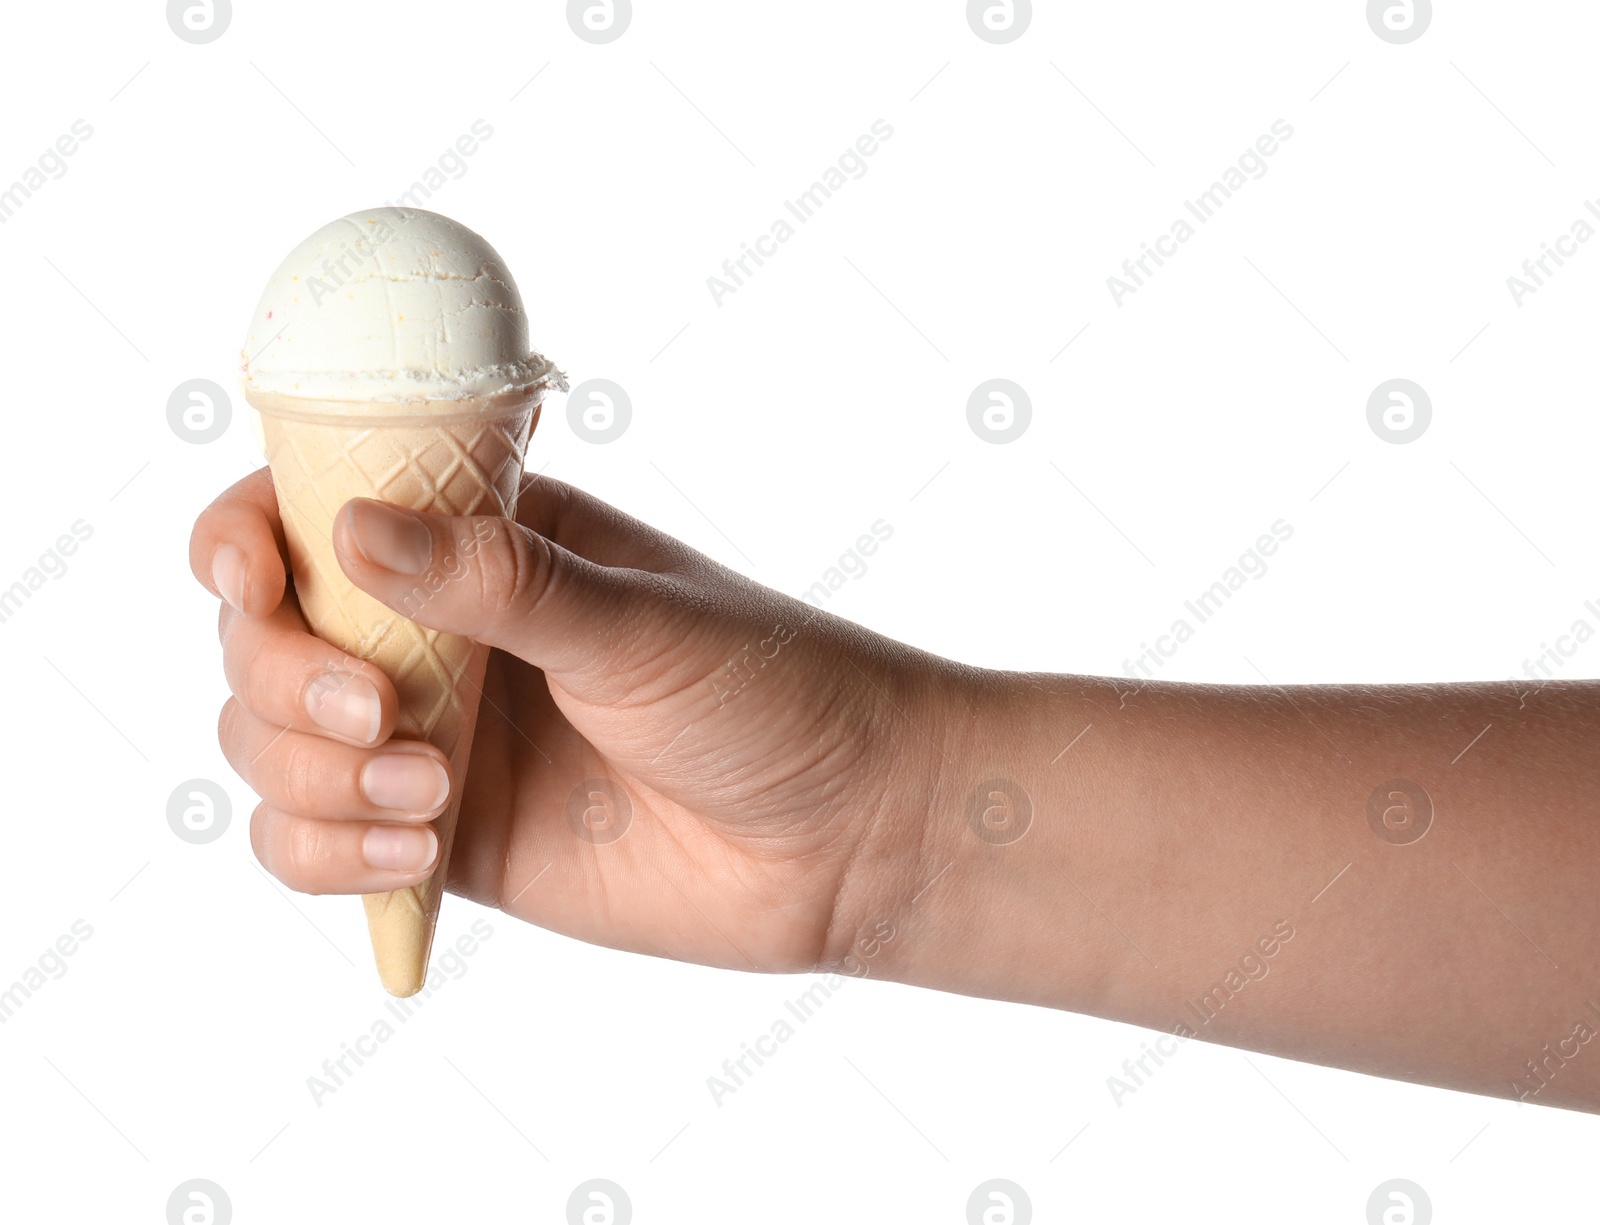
[489,579]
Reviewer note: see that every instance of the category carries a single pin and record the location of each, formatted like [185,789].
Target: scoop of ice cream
[389,305]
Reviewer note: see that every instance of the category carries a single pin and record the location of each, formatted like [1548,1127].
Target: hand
[807,795]
[769,750]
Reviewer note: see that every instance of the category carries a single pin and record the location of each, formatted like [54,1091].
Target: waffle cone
[460,458]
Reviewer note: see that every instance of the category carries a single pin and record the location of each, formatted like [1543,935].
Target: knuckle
[308,848]
[228,730]
[261,833]
[519,577]
[248,670]
[562,503]
[298,774]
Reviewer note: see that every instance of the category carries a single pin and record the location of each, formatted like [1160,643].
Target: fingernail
[403,848]
[346,705]
[227,572]
[391,538]
[406,782]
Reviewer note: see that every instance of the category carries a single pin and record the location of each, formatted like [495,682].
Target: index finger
[236,550]
[581,523]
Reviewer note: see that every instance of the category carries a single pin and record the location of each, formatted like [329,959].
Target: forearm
[1201,860]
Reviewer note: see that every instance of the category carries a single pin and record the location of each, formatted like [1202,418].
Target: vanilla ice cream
[387,305]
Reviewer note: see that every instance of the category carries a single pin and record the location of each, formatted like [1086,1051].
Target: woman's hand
[669,758]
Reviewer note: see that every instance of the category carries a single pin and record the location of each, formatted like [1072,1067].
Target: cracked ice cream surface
[390,305]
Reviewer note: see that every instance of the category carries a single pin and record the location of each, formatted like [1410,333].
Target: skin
[807,795]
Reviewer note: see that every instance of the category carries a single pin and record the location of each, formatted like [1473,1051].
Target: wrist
[986,835]
[914,742]
[899,915]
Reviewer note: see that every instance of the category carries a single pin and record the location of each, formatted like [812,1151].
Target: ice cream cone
[389,359]
[460,458]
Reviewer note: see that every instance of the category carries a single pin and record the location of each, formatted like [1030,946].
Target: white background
[827,393]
